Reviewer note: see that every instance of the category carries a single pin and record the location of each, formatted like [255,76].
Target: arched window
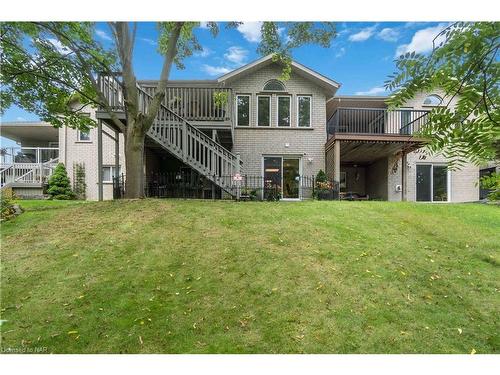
[274,85]
[433,100]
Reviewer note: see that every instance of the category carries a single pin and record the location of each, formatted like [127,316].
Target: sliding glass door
[282,174]
[432,183]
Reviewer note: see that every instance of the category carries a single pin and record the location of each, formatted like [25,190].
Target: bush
[7,210]
[321,176]
[59,184]
[492,183]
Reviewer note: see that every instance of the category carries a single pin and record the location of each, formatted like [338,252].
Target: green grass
[173,276]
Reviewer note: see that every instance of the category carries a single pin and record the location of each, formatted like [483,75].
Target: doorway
[432,183]
[282,173]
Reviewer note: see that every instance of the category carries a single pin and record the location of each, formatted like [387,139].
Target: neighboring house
[271,131]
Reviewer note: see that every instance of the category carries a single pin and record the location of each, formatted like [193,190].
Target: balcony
[376,122]
[27,165]
[193,101]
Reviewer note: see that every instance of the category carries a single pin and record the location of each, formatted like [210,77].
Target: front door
[291,178]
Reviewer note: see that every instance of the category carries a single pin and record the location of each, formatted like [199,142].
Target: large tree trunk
[134,164]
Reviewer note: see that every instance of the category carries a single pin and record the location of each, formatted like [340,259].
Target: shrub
[321,176]
[7,210]
[59,184]
[79,185]
[492,183]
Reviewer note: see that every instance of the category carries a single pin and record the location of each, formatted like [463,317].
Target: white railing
[27,173]
[179,137]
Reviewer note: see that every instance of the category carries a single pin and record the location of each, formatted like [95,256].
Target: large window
[432,183]
[304,111]
[284,110]
[243,110]
[108,173]
[263,111]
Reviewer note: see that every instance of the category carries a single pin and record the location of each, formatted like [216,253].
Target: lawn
[186,276]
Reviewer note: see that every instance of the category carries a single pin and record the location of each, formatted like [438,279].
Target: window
[433,100]
[274,85]
[284,110]
[304,111]
[405,121]
[242,110]
[83,136]
[263,111]
[108,173]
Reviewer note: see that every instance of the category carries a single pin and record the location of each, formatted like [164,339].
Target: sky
[360,57]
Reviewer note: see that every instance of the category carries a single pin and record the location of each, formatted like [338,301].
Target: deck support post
[99,161]
[404,177]
[336,160]
[117,154]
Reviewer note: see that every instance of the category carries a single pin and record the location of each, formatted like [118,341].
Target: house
[250,130]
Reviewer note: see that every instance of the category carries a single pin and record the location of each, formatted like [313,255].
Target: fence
[190,185]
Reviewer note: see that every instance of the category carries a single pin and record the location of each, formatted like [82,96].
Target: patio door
[291,178]
[282,175]
[432,183]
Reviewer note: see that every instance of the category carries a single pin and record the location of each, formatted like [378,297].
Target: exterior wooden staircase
[177,136]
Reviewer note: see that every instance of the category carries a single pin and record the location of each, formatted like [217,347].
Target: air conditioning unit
[399,188]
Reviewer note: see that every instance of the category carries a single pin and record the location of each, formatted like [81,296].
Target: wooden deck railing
[183,140]
[191,103]
[376,121]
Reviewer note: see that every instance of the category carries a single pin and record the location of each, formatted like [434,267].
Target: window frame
[283,89]
[431,181]
[111,173]
[433,105]
[249,109]
[78,135]
[289,111]
[310,111]
[270,113]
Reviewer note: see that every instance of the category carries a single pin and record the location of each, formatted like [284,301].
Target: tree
[48,65]
[464,63]
[59,184]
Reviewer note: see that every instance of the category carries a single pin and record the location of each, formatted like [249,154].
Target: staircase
[176,135]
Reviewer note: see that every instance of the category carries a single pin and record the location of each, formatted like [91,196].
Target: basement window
[108,173]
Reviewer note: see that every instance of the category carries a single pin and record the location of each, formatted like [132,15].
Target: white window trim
[111,173]
[289,111]
[78,140]
[448,182]
[257,114]
[249,109]
[310,110]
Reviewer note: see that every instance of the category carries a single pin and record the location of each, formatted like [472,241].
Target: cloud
[236,55]
[102,34]
[362,35]
[204,25]
[372,91]
[421,42]
[58,46]
[251,31]
[20,119]
[340,53]
[203,53]
[215,70]
[148,41]
[388,34]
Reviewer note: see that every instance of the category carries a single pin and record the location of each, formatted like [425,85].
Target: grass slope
[178,276]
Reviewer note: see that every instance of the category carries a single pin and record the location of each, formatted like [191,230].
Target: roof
[29,131]
[326,83]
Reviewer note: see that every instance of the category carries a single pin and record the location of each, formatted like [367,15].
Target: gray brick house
[262,127]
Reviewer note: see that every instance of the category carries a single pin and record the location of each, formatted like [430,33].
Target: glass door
[272,177]
[291,178]
[432,183]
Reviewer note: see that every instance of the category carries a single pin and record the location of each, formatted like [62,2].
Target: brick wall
[307,143]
